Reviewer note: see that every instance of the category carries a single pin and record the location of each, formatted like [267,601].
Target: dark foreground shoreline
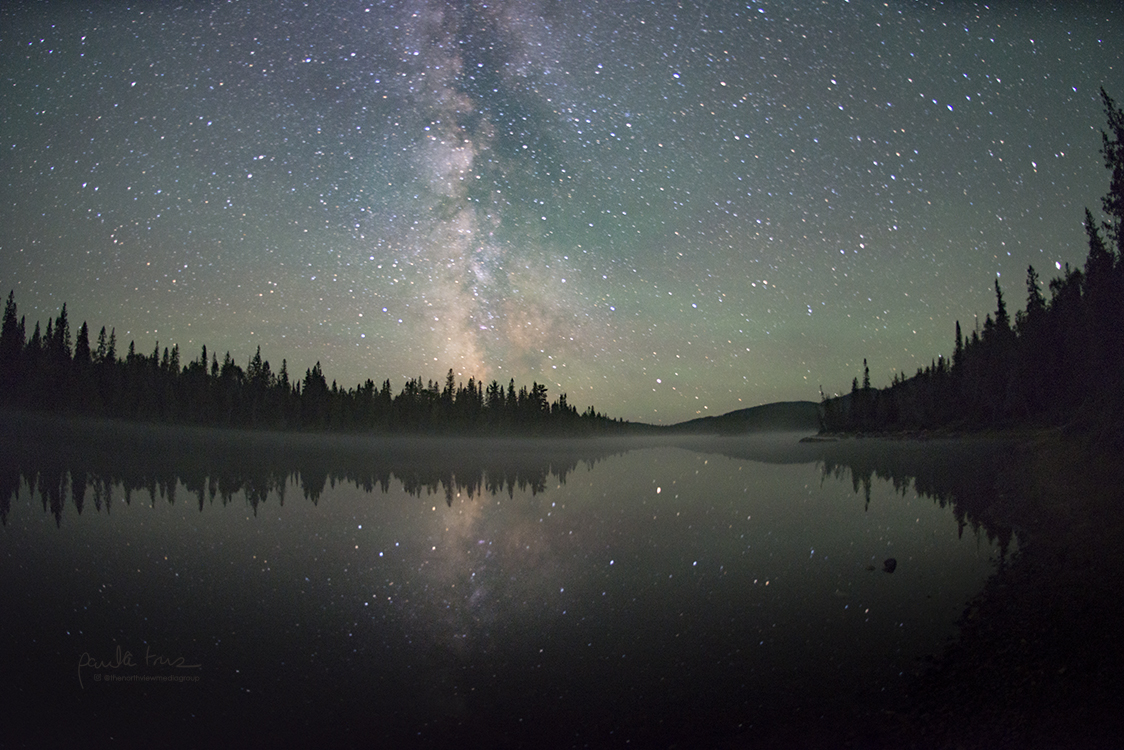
[1038,661]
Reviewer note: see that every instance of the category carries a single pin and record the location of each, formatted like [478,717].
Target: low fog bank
[42,437]
[32,437]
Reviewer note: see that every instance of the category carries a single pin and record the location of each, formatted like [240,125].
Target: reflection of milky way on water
[600,593]
[494,563]
[683,562]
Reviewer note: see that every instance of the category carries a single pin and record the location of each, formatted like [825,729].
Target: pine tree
[1113,152]
[82,357]
[10,346]
[62,343]
[11,351]
[100,352]
[1002,319]
[1035,302]
[1099,263]
[35,343]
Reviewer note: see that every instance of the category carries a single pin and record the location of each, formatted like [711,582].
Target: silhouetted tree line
[50,371]
[1056,363]
[98,463]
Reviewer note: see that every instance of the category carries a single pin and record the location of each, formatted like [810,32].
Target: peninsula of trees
[1058,363]
[56,373]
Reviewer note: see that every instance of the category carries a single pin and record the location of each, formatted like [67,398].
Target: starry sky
[663,209]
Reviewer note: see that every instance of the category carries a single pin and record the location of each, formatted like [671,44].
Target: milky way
[663,209]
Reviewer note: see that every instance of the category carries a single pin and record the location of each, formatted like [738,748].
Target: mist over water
[425,591]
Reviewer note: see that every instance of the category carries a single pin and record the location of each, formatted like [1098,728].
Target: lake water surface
[260,589]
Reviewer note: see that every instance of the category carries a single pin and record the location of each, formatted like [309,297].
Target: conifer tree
[82,356]
[1113,152]
[1035,302]
[62,343]
[1002,319]
[35,343]
[10,346]
[99,353]
[11,351]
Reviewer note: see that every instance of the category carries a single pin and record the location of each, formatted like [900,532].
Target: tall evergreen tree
[1035,302]
[82,357]
[11,351]
[1113,152]
[1002,319]
[958,350]
[62,344]
[1099,263]
[10,347]
[100,352]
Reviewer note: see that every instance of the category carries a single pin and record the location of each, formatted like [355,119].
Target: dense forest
[54,372]
[1057,363]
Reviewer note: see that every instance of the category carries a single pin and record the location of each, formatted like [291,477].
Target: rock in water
[890,565]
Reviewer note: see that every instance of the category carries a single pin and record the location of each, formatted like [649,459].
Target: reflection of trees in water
[80,463]
[91,461]
[963,474]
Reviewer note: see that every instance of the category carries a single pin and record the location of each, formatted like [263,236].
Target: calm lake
[192,586]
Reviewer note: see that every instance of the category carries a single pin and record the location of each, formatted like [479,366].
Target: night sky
[663,209]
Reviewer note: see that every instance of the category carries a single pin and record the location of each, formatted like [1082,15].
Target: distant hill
[784,416]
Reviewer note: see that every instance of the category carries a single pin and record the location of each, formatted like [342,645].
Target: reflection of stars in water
[489,566]
[662,209]
[459,568]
